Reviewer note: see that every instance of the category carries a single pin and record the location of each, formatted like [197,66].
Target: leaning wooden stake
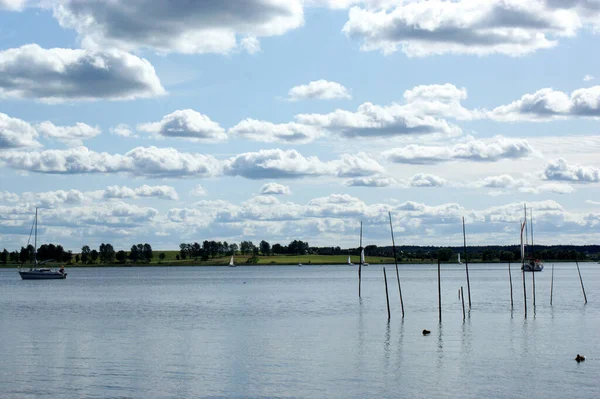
[552,284]
[581,280]
[466,262]
[463,302]
[439,291]
[360,260]
[387,298]
[511,287]
[396,261]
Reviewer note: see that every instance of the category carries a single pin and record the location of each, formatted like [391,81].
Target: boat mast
[531,223]
[35,239]
[526,233]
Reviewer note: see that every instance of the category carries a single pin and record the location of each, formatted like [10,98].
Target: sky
[157,121]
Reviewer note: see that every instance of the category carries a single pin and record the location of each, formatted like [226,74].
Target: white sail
[231,263]
[459,258]
[349,262]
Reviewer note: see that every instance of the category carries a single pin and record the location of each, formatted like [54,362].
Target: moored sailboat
[529,263]
[36,273]
[350,262]
[231,262]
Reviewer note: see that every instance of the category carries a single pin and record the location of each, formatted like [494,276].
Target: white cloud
[191,27]
[16,133]
[474,150]
[250,44]
[500,181]
[199,191]
[71,135]
[12,5]
[268,132]
[556,188]
[427,180]
[140,161]
[560,170]
[122,130]
[186,123]
[587,78]
[275,189]
[61,74]
[422,28]
[319,90]
[277,163]
[163,192]
[373,120]
[372,181]
[548,104]
[592,202]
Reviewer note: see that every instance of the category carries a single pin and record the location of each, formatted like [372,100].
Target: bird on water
[579,358]
[426,332]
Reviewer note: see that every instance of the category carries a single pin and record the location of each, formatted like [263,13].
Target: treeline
[143,253]
[491,253]
[105,254]
[213,249]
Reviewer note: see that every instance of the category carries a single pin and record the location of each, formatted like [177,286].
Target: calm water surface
[297,332]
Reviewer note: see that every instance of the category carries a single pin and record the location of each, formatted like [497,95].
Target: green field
[171,260]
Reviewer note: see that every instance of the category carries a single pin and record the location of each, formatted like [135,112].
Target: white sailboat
[231,262]
[530,264]
[459,262]
[350,262]
[36,273]
[362,258]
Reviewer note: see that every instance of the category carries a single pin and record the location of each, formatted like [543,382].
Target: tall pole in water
[532,259]
[387,298]
[523,225]
[552,285]
[396,261]
[466,261]
[511,287]
[360,260]
[439,291]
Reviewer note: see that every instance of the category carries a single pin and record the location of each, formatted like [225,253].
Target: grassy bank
[171,260]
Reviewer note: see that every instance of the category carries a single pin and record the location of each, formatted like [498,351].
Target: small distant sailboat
[40,273]
[231,262]
[362,258]
[350,262]
[459,262]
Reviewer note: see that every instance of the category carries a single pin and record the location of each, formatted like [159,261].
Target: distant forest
[143,253]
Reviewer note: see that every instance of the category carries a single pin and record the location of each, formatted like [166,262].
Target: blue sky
[154,121]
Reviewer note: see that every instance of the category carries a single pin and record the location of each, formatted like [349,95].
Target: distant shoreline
[187,263]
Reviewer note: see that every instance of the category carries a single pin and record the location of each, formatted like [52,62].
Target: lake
[298,332]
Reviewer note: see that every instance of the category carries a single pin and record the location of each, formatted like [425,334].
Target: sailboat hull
[43,275]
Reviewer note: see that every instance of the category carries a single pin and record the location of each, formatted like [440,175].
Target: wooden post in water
[387,298]
[533,280]
[439,291]
[524,293]
[552,284]
[463,302]
[581,280]
[360,260]
[511,287]
[396,262]
[466,261]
